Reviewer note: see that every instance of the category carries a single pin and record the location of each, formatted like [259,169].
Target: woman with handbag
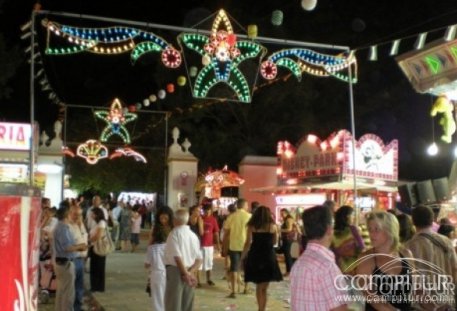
[97,262]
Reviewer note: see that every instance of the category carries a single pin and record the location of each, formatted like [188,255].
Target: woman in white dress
[154,260]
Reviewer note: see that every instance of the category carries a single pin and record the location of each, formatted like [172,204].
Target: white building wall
[258,172]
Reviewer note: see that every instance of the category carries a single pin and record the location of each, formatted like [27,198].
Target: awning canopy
[335,185]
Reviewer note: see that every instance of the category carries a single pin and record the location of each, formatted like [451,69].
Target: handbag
[148,287]
[104,245]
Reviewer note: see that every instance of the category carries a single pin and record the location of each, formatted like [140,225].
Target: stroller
[46,273]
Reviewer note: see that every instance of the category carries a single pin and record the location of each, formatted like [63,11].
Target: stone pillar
[182,173]
[50,163]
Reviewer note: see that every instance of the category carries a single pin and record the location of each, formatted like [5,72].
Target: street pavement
[126,280]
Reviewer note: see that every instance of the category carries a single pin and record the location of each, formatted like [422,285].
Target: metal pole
[354,179]
[32,100]
[165,175]
[187,29]
[64,143]
[107,108]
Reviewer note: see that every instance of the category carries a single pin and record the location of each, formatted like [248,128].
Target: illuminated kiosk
[212,185]
[318,170]
[182,173]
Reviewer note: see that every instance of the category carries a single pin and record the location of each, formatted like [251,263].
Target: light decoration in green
[92,151]
[110,41]
[221,55]
[115,120]
[433,63]
[299,60]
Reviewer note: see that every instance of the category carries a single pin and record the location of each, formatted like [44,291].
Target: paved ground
[126,281]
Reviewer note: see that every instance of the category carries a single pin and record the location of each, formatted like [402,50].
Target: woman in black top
[383,271]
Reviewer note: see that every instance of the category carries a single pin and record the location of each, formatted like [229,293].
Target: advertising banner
[20,209]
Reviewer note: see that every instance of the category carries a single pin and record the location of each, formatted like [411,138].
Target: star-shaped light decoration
[221,54]
[110,41]
[128,152]
[115,120]
[299,60]
[92,150]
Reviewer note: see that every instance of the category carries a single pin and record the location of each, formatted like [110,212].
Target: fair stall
[317,170]
[212,184]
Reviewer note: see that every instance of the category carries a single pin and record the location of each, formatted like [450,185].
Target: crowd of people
[68,236]
[331,266]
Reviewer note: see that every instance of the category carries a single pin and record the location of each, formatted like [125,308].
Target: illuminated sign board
[316,159]
[15,136]
[301,199]
[373,159]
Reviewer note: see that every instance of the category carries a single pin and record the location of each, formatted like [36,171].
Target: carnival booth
[212,185]
[317,170]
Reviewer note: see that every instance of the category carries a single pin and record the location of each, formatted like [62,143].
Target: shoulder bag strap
[435,242]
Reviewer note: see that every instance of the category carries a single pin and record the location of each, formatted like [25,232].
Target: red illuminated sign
[15,136]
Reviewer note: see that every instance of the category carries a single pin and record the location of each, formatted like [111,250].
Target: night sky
[388,105]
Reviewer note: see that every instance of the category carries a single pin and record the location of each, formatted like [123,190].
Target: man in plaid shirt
[316,282]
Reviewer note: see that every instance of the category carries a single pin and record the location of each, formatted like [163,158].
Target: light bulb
[455,152]
[432,150]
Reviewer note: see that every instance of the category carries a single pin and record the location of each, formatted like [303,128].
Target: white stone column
[182,174]
[50,162]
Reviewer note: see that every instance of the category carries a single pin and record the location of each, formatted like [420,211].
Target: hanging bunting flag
[394,48]
[419,44]
[450,33]
[373,53]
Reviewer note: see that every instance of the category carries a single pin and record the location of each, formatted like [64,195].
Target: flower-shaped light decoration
[268,70]
[115,120]
[221,54]
[110,41]
[299,60]
[171,58]
[128,152]
[92,150]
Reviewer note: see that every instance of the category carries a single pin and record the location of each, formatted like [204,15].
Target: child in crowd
[135,228]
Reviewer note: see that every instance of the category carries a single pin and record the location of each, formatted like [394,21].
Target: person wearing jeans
[80,235]
[66,249]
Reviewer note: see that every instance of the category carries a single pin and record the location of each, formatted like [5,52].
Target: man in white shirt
[182,260]
[90,222]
